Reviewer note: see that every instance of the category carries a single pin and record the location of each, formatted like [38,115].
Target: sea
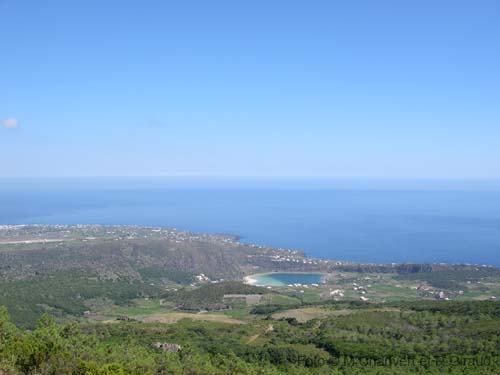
[284,278]
[374,221]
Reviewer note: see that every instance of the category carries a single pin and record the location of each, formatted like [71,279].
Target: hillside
[136,300]
[434,338]
[89,271]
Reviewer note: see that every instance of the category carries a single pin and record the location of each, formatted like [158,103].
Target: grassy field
[283,302]
[137,307]
[305,314]
[390,293]
[280,299]
[174,317]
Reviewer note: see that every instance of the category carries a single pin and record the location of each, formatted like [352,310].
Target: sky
[372,89]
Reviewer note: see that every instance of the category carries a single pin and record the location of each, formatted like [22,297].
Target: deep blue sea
[380,221]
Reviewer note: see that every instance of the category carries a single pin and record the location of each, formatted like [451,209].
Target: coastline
[254,278]
[56,235]
[250,280]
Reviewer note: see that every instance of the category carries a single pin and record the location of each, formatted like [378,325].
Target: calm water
[389,223]
[280,279]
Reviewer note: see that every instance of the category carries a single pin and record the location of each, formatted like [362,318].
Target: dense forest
[432,338]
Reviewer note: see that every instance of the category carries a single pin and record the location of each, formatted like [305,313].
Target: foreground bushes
[431,339]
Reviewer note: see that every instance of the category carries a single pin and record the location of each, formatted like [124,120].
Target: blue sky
[391,89]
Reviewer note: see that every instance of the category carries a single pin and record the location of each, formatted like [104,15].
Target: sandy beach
[249,280]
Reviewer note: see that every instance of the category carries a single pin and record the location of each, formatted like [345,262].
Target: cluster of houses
[202,278]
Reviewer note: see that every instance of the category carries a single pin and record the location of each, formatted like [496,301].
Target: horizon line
[315,177]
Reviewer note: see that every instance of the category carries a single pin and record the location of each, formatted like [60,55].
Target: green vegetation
[452,279]
[64,294]
[434,338]
[109,300]
[210,296]
[159,274]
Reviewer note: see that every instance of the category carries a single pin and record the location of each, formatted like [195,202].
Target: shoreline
[253,279]
[235,238]
[249,280]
